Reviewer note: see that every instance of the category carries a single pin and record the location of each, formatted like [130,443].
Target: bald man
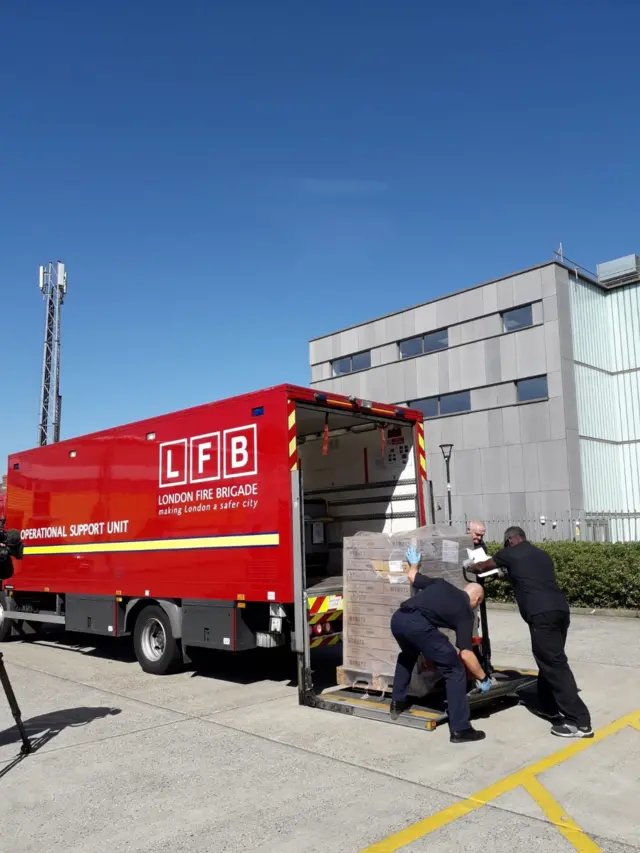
[477,530]
[438,604]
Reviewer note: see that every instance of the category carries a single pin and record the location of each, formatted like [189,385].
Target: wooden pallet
[358,678]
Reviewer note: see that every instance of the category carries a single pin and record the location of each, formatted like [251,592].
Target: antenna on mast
[52,281]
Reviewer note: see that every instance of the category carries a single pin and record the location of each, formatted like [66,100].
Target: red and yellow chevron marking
[331,616]
[328,640]
[422,456]
[324,605]
[293,440]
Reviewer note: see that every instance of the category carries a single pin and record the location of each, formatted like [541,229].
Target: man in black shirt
[438,604]
[544,608]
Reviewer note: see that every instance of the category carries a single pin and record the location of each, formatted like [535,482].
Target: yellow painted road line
[559,817]
[503,786]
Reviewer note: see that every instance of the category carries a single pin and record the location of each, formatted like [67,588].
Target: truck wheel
[156,648]
[5,624]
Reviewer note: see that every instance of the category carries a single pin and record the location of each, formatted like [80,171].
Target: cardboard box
[376,584]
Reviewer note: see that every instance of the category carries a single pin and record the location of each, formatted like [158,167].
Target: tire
[5,624]
[157,650]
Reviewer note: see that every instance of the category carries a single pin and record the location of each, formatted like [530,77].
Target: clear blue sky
[226,180]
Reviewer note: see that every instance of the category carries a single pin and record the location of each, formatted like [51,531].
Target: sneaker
[570,730]
[544,715]
[467,736]
[398,707]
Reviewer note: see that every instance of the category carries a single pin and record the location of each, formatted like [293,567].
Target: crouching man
[438,604]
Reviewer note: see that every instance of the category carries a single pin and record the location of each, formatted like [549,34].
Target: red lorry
[209,527]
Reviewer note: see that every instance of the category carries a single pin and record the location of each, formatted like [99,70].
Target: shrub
[591,574]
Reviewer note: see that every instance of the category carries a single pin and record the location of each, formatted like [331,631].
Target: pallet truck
[374,704]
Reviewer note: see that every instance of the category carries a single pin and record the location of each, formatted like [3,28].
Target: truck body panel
[197,505]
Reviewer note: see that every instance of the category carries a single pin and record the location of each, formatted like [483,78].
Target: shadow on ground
[42,729]
[236,667]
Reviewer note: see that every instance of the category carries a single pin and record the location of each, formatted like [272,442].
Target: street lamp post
[446,452]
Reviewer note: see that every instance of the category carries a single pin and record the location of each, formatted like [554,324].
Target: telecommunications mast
[53,285]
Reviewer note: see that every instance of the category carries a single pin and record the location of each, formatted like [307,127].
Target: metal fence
[584,527]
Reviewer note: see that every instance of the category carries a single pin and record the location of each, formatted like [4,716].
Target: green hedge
[592,574]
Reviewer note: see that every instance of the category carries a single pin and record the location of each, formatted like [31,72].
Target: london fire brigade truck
[216,527]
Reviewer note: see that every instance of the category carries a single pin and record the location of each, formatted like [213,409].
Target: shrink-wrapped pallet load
[376,584]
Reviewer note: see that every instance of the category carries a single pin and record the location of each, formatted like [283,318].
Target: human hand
[413,557]
[484,685]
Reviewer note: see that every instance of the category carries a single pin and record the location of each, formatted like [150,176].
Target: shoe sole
[574,735]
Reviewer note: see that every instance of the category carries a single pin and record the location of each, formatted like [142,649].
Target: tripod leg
[13,704]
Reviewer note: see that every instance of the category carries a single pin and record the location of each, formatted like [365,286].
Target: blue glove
[484,686]
[413,558]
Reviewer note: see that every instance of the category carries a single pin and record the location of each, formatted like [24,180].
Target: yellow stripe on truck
[250,540]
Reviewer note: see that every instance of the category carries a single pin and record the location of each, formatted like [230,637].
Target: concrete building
[534,378]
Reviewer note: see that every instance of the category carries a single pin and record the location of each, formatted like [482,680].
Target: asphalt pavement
[222,759]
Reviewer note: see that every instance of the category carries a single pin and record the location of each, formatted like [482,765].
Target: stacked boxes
[376,584]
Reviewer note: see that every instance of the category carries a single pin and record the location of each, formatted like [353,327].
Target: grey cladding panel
[518,506]
[497,505]
[530,352]
[554,383]
[455,370]
[505,294]
[348,342]
[552,345]
[472,365]
[553,465]
[425,318]
[444,385]
[410,370]
[527,287]
[516,468]
[531,471]
[408,324]
[508,357]
[534,422]
[451,428]
[475,430]
[466,472]
[556,417]
[470,304]
[495,471]
[537,313]
[447,311]
[511,425]
[575,470]
[548,278]
[493,360]
[496,438]
[490,298]
[550,308]
[428,374]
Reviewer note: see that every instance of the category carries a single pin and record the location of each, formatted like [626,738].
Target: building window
[517,318]
[432,342]
[447,404]
[452,403]
[532,389]
[428,406]
[351,363]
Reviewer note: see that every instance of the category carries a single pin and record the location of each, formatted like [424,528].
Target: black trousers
[415,634]
[557,689]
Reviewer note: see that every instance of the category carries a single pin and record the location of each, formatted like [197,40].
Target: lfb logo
[214,456]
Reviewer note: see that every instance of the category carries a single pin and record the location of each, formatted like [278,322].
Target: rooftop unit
[619,272]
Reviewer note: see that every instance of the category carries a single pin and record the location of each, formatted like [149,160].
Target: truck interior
[358,473]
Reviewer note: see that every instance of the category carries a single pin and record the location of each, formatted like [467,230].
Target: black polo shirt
[533,577]
[445,606]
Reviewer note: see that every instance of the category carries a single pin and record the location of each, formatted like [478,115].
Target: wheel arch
[173,609]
